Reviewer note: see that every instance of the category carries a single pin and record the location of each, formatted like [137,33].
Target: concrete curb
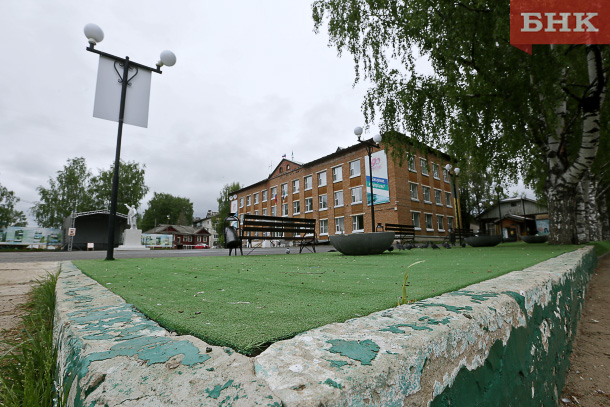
[500,342]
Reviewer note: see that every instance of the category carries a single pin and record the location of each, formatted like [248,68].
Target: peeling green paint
[476,297]
[364,351]
[338,364]
[450,308]
[215,392]
[433,321]
[333,383]
[396,328]
[531,368]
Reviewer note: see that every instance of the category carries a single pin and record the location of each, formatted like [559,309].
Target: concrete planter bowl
[483,241]
[363,243]
[535,239]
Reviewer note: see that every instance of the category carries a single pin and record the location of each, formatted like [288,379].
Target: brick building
[334,191]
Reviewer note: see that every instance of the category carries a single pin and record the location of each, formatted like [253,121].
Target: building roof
[338,152]
[177,230]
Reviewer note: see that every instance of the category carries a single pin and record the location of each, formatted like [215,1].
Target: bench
[406,233]
[459,235]
[260,227]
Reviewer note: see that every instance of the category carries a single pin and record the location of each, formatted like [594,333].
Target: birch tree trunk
[603,214]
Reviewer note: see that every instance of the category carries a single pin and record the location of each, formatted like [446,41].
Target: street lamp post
[456,196]
[369,150]
[94,35]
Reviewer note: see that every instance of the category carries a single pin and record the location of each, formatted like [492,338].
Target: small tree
[224,208]
[179,210]
[9,216]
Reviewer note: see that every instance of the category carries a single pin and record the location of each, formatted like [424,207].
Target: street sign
[72,232]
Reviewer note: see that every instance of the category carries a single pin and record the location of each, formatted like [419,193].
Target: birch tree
[536,115]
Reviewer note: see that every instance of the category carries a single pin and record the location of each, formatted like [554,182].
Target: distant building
[334,191]
[514,217]
[183,236]
[207,224]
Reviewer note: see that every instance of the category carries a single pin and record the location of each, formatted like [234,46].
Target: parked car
[202,246]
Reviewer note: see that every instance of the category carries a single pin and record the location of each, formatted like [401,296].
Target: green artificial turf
[248,302]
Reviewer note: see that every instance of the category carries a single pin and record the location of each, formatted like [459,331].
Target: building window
[438,197]
[412,163]
[295,186]
[413,188]
[445,175]
[296,207]
[308,180]
[285,209]
[338,198]
[354,169]
[274,194]
[435,171]
[323,226]
[241,202]
[308,205]
[264,195]
[337,174]
[427,194]
[264,211]
[323,202]
[284,189]
[415,220]
[322,179]
[256,212]
[248,203]
[356,195]
[357,223]
[274,210]
[256,198]
[339,226]
[448,199]
[424,166]
[440,225]
[450,222]
[429,225]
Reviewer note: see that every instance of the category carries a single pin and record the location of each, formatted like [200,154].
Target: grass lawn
[248,302]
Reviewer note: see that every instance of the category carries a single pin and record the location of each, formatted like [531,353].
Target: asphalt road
[25,256]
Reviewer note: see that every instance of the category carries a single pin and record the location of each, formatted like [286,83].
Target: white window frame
[438,197]
[440,223]
[274,194]
[284,189]
[355,223]
[450,222]
[445,175]
[354,168]
[416,225]
[248,200]
[305,179]
[322,202]
[264,195]
[426,217]
[264,211]
[338,194]
[321,178]
[310,199]
[337,173]
[274,210]
[423,163]
[285,209]
[411,184]
[295,186]
[325,221]
[296,207]
[424,190]
[435,171]
[448,201]
[352,190]
[342,229]
[256,198]
[241,202]
[411,163]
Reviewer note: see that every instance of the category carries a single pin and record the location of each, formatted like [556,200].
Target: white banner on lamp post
[108,93]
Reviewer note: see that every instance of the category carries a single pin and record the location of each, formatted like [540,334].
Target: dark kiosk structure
[92,227]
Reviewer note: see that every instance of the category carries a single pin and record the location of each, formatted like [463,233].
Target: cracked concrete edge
[110,354]
[407,356]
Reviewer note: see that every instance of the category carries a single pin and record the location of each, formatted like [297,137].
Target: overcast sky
[252,82]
